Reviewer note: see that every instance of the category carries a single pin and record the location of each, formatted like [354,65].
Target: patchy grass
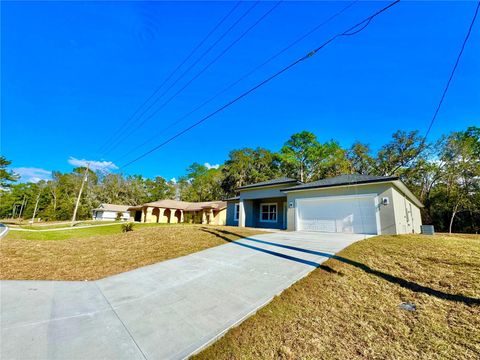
[88,254]
[352,311]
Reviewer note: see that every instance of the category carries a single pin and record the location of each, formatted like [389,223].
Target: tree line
[443,174]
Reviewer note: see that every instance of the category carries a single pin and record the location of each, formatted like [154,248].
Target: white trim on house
[236,212]
[269,212]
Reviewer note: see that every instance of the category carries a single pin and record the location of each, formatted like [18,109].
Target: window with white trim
[268,212]
[236,213]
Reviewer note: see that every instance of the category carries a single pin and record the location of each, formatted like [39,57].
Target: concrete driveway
[168,310]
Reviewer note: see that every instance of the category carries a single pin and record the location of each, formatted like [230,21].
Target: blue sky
[73,72]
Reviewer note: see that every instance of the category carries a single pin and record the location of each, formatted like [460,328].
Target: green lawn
[74,233]
[46,226]
[349,307]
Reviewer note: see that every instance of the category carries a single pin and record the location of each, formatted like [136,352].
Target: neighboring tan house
[173,211]
[110,211]
[344,204]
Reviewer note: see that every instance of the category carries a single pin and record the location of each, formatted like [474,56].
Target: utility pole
[36,206]
[80,194]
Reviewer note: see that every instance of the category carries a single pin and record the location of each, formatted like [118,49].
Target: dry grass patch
[27,255]
[352,311]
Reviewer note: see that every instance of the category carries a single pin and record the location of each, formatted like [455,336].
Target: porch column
[210,216]
[148,215]
[173,218]
[161,212]
[142,218]
[204,217]
[181,216]
[241,214]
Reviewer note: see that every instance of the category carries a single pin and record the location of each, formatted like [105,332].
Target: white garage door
[347,214]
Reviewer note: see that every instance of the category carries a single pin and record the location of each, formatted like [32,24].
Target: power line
[124,136]
[347,32]
[452,73]
[192,52]
[422,146]
[271,58]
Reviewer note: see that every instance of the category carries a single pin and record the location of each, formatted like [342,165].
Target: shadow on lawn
[390,278]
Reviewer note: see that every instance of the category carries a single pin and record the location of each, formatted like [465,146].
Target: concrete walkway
[168,310]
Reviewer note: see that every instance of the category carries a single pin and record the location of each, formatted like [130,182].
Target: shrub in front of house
[127,227]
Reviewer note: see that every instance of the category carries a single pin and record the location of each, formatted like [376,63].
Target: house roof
[234,198]
[356,179]
[273,182]
[113,207]
[215,205]
[349,179]
[183,205]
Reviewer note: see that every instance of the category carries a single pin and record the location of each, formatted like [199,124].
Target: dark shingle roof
[342,180]
[278,181]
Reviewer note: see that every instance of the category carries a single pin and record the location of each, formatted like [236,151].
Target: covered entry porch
[267,213]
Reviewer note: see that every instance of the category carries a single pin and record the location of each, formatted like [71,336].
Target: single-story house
[361,204]
[110,211]
[174,211]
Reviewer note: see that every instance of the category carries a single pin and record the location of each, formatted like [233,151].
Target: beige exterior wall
[407,215]
[148,215]
[165,216]
[221,217]
[392,216]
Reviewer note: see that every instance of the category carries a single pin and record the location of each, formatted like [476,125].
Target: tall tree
[159,189]
[400,153]
[6,176]
[361,161]
[462,172]
[248,166]
[331,160]
[299,155]
[201,184]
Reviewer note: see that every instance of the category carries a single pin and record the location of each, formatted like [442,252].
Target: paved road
[167,310]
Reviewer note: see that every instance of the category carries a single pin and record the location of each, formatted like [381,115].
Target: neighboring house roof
[215,205]
[349,179]
[113,207]
[183,205]
[273,182]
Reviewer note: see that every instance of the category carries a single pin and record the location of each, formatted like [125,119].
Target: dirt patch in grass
[353,311]
[96,252]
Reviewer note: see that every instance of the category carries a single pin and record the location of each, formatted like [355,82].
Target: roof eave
[251,187]
[365,182]
[401,186]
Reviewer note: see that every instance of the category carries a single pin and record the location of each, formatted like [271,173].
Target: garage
[353,214]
